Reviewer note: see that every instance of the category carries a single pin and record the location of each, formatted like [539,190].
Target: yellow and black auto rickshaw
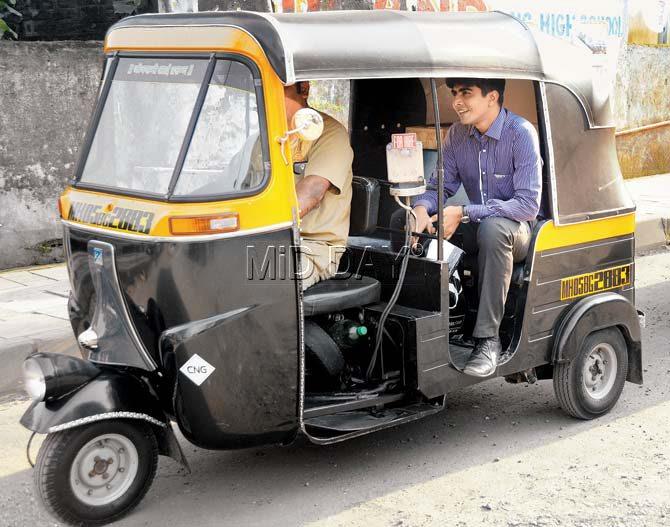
[180,231]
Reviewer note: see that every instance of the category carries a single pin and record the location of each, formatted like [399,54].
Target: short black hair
[486,85]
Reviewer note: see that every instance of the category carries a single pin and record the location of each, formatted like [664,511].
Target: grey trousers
[498,243]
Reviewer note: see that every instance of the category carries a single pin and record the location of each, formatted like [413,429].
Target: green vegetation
[7,10]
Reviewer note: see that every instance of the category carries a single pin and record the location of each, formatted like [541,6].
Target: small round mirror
[308,124]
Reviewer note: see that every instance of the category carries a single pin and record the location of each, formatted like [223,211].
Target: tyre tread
[563,392]
[45,466]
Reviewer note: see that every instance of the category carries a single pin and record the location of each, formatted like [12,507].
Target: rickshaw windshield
[145,122]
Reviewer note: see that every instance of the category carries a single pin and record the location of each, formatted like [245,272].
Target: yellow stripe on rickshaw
[554,237]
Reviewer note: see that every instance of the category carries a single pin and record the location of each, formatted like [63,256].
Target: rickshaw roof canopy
[384,43]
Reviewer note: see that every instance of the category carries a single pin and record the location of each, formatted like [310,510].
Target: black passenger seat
[338,294]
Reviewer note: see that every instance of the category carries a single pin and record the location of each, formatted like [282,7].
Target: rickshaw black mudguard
[109,395]
[232,301]
[596,312]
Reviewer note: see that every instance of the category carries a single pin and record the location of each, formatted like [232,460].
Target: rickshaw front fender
[110,395]
[597,312]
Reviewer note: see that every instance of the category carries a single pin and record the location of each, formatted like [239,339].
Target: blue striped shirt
[501,170]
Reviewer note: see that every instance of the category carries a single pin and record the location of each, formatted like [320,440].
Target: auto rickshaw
[181,235]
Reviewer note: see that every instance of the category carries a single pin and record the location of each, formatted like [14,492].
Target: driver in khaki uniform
[323,190]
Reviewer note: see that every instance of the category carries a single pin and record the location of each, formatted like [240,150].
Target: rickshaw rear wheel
[94,474]
[591,384]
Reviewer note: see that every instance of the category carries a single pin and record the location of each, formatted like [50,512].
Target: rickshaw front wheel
[96,473]
[590,384]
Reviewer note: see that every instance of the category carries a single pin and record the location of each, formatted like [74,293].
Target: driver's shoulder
[334,135]
[332,126]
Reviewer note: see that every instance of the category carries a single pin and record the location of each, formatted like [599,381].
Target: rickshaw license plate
[596,282]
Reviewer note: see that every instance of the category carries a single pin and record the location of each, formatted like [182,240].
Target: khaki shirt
[327,225]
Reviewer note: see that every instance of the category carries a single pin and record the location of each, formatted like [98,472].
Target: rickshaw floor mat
[358,420]
[459,355]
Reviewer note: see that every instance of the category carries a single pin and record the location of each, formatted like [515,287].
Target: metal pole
[643,128]
[440,172]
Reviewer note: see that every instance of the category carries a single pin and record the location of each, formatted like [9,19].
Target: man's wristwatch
[464,218]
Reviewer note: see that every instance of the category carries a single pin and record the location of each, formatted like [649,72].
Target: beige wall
[641,98]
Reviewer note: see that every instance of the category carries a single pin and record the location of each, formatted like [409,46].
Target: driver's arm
[310,191]
[328,168]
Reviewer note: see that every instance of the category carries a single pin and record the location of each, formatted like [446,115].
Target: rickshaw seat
[337,294]
[364,206]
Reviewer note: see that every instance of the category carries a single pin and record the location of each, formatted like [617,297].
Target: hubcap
[599,371]
[104,469]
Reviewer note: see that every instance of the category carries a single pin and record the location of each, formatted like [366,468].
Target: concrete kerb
[651,233]
[651,195]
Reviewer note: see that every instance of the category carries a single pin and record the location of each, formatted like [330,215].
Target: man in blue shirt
[495,154]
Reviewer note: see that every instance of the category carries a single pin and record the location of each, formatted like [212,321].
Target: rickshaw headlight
[49,376]
[33,378]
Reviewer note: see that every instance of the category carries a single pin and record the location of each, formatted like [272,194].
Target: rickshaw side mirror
[308,124]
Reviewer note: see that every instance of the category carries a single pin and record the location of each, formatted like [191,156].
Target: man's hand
[422,223]
[452,218]
[310,191]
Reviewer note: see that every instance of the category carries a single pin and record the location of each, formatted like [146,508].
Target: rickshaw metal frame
[549,145]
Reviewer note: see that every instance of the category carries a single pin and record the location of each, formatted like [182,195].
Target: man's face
[293,101]
[472,106]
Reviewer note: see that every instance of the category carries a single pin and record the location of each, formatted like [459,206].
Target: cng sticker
[596,282]
[197,369]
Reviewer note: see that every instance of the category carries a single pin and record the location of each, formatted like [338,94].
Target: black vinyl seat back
[364,206]
[380,108]
[339,293]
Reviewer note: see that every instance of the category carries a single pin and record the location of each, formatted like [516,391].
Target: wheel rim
[104,469]
[600,369]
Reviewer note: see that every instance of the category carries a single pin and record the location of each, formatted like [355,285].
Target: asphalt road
[499,455]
